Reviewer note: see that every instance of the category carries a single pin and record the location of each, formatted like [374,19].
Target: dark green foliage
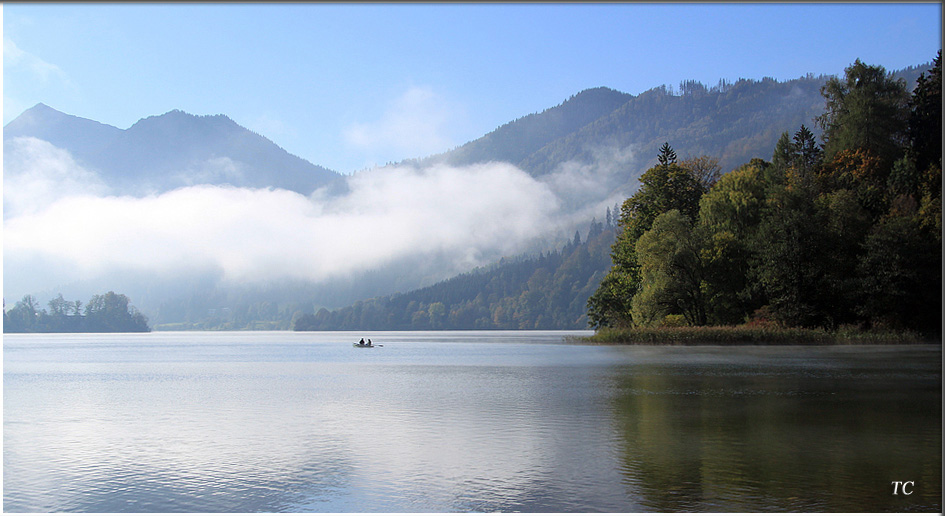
[667,155]
[672,272]
[729,215]
[867,109]
[106,313]
[847,236]
[735,335]
[925,118]
[663,188]
[901,275]
[790,254]
[549,291]
[609,305]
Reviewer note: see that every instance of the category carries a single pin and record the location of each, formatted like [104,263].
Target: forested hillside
[515,141]
[548,291]
[734,122]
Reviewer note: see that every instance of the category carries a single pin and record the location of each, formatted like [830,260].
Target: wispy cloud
[36,174]
[34,76]
[62,222]
[416,124]
[16,58]
[467,215]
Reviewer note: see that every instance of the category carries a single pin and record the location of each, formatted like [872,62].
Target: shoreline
[752,336]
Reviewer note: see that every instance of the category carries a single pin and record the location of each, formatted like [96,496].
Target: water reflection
[704,435]
[489,422]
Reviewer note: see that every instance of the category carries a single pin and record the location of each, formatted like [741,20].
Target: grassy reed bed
[752,335]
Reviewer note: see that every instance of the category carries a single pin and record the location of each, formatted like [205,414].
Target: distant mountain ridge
[80,136]
[160,153]
[515,141]
[734,122]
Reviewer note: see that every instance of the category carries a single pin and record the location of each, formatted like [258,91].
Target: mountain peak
[175,149]
[40,114]
[81,136]
[41,107]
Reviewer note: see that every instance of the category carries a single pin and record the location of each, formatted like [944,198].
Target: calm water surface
[463,421]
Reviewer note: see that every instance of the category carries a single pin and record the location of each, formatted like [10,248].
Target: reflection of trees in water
[716,439]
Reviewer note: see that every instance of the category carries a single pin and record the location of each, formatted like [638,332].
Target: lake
[464,422]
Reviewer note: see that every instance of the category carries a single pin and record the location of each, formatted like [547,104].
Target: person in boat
[369,342]
[362,341]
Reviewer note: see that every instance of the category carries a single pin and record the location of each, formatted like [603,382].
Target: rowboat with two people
[363,344]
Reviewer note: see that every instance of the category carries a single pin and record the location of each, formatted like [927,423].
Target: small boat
[357,345]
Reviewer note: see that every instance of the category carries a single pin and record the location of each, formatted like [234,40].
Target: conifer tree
[667,155]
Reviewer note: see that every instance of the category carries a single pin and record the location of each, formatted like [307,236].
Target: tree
[797,160]
[729,215]
[667,155]
[663,188]
[808,155]
[609,306]
[23,316]
[901,276]
[925,117]
[862,172]
[110,312]
[59,306]
[783,153]
[672,273]
[867,109]
[790,257]
[923,164]
[705,169]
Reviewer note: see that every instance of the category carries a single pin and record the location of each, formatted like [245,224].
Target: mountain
[515,141]
[733,122]
[160,153]
[82,137]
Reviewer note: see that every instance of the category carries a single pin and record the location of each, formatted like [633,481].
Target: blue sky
[350,85]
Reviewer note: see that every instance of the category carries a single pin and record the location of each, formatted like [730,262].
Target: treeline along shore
[104,313]
[831,242]
[753,335]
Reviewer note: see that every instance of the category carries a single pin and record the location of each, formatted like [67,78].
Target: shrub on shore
[752,335]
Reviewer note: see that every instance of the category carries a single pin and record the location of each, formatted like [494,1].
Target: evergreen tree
[867,109]
[667,155]
[925,119]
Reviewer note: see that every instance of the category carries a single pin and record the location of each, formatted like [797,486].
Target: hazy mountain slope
[514,141]
[734,124]
[546,292]
[175,149]
[82,137]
